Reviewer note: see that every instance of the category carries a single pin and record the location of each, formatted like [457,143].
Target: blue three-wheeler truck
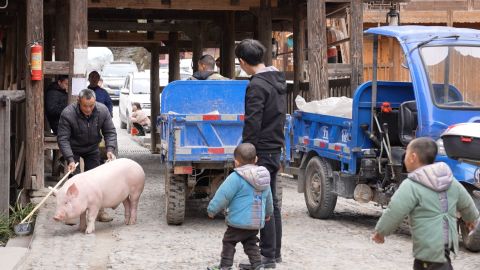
[362,158]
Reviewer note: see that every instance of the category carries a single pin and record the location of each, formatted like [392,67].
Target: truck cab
[362,158]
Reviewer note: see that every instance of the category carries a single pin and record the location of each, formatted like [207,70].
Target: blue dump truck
[362,158]
[201,123]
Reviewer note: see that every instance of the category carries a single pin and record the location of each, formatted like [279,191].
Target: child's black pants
[249,240]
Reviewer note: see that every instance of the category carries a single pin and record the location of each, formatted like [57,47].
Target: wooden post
[78,44]
[5,155]
[228,46]
[173,57]
[197,50]
[298,49]
[265,29]
[62,30]
[317,49]
[34,167]
[356,43]
[21,43]
[154,96]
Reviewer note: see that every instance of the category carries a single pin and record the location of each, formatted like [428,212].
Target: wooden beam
[5,155]
[176,4]
[197,50]
[356,44]
[228,46]
[135,26]
[13,95]
[96,14]
[56,68]
[265,29]
[62,9]
[298,49]
[317,49]
[173,58]
[34,166]
[127,37]
[154,96]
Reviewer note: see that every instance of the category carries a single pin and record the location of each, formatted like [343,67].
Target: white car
[135,89]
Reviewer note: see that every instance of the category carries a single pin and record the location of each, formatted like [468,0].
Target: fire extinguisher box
[462,141]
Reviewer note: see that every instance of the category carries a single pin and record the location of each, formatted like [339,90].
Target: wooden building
[66,28]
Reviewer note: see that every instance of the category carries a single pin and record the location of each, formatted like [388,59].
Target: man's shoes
[278,259]
[266,263]
[103,216]
[219,268]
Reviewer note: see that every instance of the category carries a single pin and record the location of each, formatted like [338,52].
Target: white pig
[106,186]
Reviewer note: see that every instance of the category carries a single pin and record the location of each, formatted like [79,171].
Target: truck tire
[175,198]
[471,242]
[319,195]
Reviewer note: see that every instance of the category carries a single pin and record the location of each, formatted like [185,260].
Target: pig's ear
[72,191]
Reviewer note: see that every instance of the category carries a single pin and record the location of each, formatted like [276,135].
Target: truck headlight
[441,148]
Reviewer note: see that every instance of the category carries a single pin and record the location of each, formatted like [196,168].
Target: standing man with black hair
[56,99]
[265,109]
[206,69]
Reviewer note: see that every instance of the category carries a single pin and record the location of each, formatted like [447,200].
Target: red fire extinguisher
[36,51]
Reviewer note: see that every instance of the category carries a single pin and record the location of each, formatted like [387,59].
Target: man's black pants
[249,240]
[271,234]
[422,265]
[91,160]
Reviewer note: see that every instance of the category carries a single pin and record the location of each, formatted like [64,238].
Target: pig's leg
[134,198]
[91,217]
[83,222]
[126,205]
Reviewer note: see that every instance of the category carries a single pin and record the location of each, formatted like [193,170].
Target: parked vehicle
[362,158]
[135,89]
[201,123]
[114,75]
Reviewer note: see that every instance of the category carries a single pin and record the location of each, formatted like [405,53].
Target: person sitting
[206,69]
[139,118]
[56,99]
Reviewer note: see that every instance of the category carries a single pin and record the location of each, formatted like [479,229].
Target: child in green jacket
[431,197]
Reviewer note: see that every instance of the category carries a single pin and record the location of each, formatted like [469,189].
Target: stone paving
[339,243]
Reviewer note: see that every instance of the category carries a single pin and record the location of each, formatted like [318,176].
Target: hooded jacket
[247,197]
[207,75]
[265,109]
[431,197]
[56,99]
[78,134]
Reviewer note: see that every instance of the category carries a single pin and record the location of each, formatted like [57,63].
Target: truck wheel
[175,187]
[319,195]
[471,242]
[123,125]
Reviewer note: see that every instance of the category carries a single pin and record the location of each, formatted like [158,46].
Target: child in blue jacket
[247,197]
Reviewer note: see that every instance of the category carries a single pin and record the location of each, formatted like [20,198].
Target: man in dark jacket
[206,66]
[56,99]
[101,94]
[80,130]
[265,109]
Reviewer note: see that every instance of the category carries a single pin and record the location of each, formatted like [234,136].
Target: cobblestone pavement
[339,243]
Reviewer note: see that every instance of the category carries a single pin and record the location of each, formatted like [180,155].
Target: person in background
[206,69]
[101,94]
[56,99]
[139,118]
[431,198]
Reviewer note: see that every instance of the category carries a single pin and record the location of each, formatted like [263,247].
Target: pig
[106,186]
